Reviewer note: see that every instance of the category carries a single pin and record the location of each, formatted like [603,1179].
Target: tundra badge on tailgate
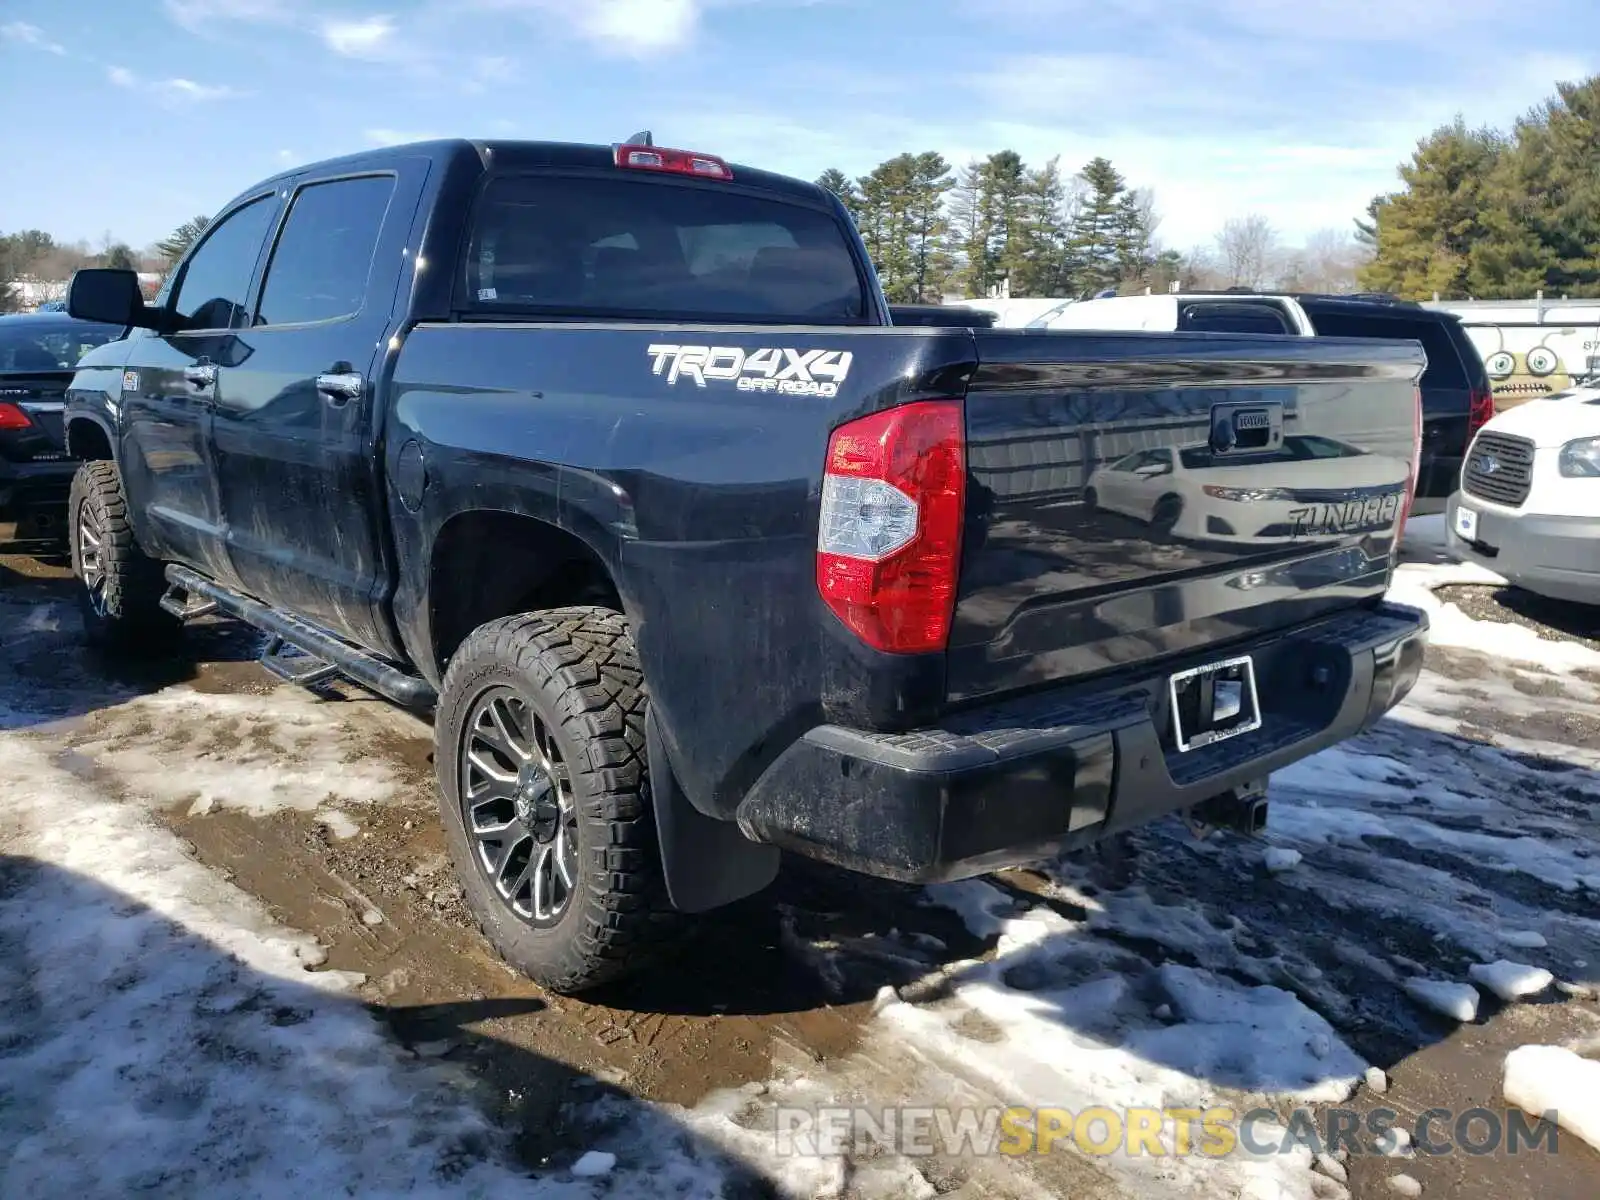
[785,371]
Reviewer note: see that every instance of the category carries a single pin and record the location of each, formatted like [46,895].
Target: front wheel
[121,586]
[540,751]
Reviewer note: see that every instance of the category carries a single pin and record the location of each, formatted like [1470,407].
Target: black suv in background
[1456,396]
[38,353]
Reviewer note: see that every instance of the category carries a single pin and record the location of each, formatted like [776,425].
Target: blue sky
[130,116]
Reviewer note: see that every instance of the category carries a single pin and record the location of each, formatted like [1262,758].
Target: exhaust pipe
[1242,810]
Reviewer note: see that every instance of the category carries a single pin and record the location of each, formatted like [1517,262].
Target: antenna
[640,139]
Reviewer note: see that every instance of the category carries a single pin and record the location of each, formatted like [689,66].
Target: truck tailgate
[1140,495]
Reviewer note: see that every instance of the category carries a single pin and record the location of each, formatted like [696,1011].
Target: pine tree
[929,229]
[1038,261]
[1542,227]
[120,257]
[1007,178]
[1094,239]
[971,216]
[887,198]
[1134,236]
[177,243]
[1426,234]
[836,181]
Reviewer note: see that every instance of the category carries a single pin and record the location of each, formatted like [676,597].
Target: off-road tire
[579,672]
[127,617]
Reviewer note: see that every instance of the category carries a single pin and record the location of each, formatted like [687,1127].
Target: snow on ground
[163,1035]
[1509,980]
[1544,1079]
[258,754]
[1415,583]
[169,1022]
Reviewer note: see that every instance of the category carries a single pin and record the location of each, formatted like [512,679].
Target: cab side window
[214,290]
[320,265]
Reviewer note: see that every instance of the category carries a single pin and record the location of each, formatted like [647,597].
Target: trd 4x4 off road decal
[783,371]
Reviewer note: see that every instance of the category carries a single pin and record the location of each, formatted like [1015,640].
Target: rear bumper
[1020,781]
[33,503]
[1551,556]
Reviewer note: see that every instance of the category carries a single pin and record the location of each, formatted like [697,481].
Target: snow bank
[1547,1079]
[1414,584]
[1280,858]
[1509,980]
[1459,1001]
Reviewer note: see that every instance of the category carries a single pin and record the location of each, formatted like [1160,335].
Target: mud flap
[707,862]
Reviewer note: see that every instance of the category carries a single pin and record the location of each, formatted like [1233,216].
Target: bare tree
[1331,259]
[1200,270]
[1149,215]
[1247,246]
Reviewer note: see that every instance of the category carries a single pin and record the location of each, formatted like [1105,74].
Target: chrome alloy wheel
[517,803]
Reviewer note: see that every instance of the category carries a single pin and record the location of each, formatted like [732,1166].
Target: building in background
[1531,348]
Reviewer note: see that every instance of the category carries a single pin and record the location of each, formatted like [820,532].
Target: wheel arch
[490,563]
[90,438]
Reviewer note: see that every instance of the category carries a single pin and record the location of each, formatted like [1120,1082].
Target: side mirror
[111,297]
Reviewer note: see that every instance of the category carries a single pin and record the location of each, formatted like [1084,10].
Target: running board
[293,665]
[194,595]
[185,607]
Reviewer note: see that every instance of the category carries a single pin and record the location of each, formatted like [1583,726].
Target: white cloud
[30,35]
[396,137]
[637,27]
[204,16]
[365,37]
[629,28]
[172,92]
[188,89]
[286,157]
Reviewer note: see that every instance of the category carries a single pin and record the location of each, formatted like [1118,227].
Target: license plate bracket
[1466,524]
[1214,702]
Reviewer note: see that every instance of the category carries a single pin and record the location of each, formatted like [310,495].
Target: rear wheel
[540,753]
[121,586]
[1168,510]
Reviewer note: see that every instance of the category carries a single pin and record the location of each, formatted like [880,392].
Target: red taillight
[1413,479]
[12,417]
[889,543]
[1480,411]
[675,162]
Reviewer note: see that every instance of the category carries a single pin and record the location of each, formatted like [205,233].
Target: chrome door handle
[341,388]
[203,375]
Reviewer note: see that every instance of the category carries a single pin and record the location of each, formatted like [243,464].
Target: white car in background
[1307,486]
[1529,504]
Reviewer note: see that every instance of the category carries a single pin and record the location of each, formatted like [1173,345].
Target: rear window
[1232,318]
[1445,367]
[29,346]
[650,249]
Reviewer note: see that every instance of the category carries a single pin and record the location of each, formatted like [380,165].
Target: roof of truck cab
[512,155]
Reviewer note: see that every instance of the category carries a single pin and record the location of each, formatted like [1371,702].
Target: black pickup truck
[612,459]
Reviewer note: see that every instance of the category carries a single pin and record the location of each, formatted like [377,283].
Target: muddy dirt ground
[790,973]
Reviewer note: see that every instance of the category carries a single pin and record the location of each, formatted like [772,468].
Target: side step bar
[201,596]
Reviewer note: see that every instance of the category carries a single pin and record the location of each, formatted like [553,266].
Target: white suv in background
[1529,504]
